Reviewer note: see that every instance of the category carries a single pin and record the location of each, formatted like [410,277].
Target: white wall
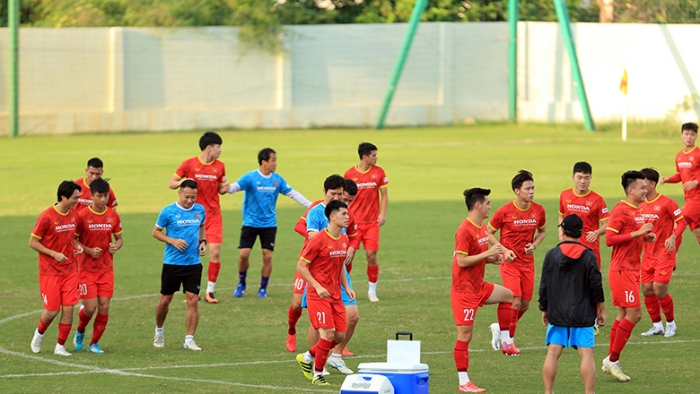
[114,79]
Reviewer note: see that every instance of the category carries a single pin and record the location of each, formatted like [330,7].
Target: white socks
[463,378]
[307,357]
[372,287]
[210,287]
[189,338]
[159,330]
[659,326]
[505,336]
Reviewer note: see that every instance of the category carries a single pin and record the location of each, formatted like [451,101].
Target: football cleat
[95,348]
[191,345]
[240,289]
[347,353]
[306,368]
[159,340]
[616,372]
[209,297]
[78,340]
[495,336]
[262,293]
[372,297]
[509,349]
[61,350]
[670,329]
[606,365]
[653,331]
[291,343]
[319,380]
[36,342]
[470,387]
[339,365]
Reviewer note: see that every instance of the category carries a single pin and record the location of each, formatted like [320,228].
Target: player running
[93,171]
[659,258]
[53,237]
[210,175]
[369,208]
[522,224]
[261,187]
[626,232]
[469,290]
[98,226]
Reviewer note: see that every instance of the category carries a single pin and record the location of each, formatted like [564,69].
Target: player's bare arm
[464,260]
[690,185]
[202,240]
[602,318]
[384,193]
[646,228]
[303,269]
[175,181]
[346,285]
[37,246]
[591,236]
[349,256]
[560,232]
[224,188]
[92,252]
[179,244]
[117,244]
[541,233]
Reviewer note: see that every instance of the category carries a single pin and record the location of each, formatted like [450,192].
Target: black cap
[572,225]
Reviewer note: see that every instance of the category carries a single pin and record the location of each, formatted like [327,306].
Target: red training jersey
[300,227]
[624,219]
[518,228]
[688,168]
[56,231]
[663,212]
[366,203]
[326,258]
[95,231]
[590,207]
[351,231]
[208,177]
[471,239]
[86,196]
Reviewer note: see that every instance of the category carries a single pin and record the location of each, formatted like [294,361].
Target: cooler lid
[392,367]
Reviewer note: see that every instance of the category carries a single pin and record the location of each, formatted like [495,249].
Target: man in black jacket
[571,290]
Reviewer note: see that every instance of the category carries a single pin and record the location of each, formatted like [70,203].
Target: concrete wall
[114,79]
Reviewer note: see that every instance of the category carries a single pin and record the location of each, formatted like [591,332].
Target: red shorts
[465,305]
[691,213]
[215,229]
[368,234]
[299,284]
[657,270]
[327,313]
[96,284]
[57,290]
[624,288]
[519,278]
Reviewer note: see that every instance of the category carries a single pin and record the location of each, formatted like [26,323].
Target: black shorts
[190,276]
[267,237]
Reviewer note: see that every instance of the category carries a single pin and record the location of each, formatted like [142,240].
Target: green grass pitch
[243,339]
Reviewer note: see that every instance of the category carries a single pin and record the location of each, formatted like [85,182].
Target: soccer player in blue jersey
[261,187]
[185,241]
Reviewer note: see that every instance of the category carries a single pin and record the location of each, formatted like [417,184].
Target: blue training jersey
[181,223]
[260,199]
[316,219]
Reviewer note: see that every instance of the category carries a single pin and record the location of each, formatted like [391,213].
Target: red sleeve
[463,240]
[40,227]
[603,209]
[675,178]
[497,220]
[677,216]
[112,201]
[542,220]
[117,225]
[680,227]
[383,180]
[222,176]
[612,238]
[311,249]
[562,207]
[183,170]
[353,239]
[300,227]
[80,224]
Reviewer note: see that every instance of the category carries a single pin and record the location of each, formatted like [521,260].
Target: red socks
[84,320]
[213,270]
[504,313]
[373,273]
[42,327]
[98,328]
[461,354]
[293,316]
[63,332]
[320,353]
[514,317]
[667,307]
[613,332]
[624,330]
[653,308]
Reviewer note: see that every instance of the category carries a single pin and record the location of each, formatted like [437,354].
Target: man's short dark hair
[689,126]
[572,226]
[188,183]
[95,163]
[99,186]
[365,149]
[650,174]
[475,195]
[630,177]
[209,138]
[333,182]
[583,168]
[333,207]
[350,187]
[264,155]
[521,177]
[66,189]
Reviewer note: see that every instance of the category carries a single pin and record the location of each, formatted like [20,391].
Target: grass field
[243,339]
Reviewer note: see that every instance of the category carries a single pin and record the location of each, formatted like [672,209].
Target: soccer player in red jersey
[97,225]
[93,171]
[688,173]
[469,290]
[210,175]
[369,208]
[659,258]
[53,237]
[588,205]
[522,224]
[321,264]
[626,233]
[295,309]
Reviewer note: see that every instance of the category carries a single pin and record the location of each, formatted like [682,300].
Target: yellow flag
[623,83]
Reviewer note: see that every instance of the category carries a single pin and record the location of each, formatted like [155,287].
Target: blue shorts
[345,296]
[574,337]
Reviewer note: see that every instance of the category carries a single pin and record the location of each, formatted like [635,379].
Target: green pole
[565,26]
[418,9]
[13,74]
[513,60]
